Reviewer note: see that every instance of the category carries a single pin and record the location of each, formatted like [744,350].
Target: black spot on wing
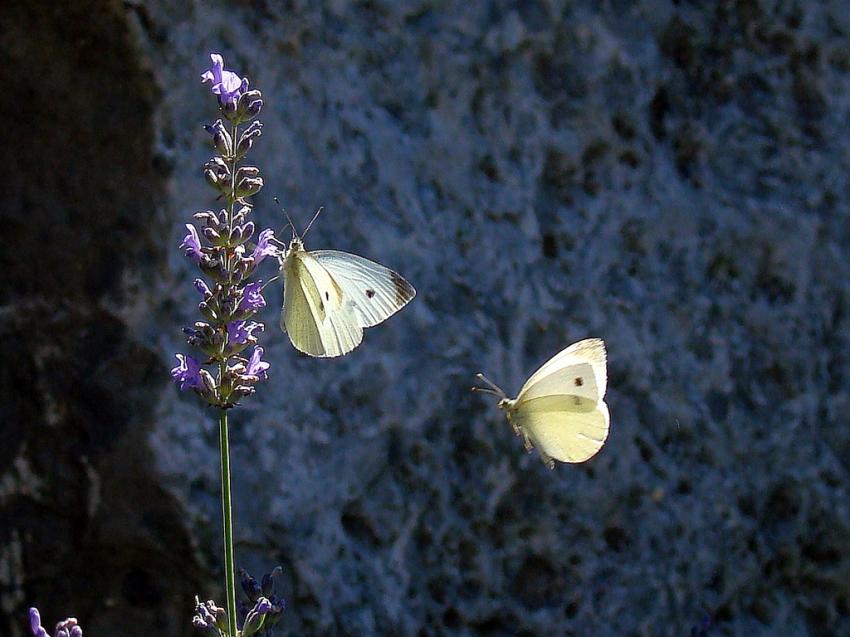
[327,296]
[370,293]
[579,382]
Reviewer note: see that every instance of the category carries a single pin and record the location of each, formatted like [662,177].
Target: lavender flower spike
[226,84]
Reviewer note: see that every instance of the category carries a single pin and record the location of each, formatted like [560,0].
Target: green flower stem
[229,574]
[224,440]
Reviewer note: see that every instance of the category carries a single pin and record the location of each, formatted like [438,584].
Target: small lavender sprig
[228,300]
[66,628]
[261,608]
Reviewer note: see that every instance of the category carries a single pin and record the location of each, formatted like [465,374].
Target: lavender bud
[202,288]
[243,390]
[214,269]
[222,140]
[249,186]
[268,580]
[246,140]
[215,237]
[250,103]
[62,632]
[255,618]
[217,174]
[249,585]
[242,233]
[246,171]
[230,111]
[254,108]
[207,311]
[76,631]
[209,381]
[207,217]
[242,213]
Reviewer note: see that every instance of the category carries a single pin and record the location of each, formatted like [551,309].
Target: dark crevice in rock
[93,533]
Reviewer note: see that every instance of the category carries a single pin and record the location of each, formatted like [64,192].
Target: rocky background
[669,176]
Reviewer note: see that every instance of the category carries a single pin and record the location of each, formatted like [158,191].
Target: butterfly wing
[375,291]
[316,315]
[579,370]
[566,428]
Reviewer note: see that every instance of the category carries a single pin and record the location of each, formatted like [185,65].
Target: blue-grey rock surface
[668,176]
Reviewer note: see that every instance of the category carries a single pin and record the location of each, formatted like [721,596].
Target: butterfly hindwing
[565,428]
[316,315]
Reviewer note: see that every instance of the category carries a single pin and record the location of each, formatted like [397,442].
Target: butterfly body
[560,409]
[331,296]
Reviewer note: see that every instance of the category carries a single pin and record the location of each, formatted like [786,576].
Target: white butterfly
[560,410]
[330,296]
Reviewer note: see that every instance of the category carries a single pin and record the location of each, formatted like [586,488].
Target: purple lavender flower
[256,366]
[241,332]
[187,373]
[226,84]
[202,288]
[192,243]
[209,616]
[264,247]
[66,628]
[35,623]
[252,297]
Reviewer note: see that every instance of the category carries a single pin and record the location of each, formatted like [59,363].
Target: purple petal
[214,73]
[188,373]
[192,243]
[263,606]
[256,366]
[35,623]
[202,287]
[264,247]
[252,297]
[229,86]
[241,331]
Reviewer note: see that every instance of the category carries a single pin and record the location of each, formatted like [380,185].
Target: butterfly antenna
[271,280]
[494,388]
[315,216]
[288,218]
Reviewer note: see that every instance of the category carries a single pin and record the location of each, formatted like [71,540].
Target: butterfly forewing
[375,291]
[578,370]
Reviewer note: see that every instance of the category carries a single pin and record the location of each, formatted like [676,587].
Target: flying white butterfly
[560,410]
[330,296]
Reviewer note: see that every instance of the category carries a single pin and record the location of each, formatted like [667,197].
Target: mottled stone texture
[669,176]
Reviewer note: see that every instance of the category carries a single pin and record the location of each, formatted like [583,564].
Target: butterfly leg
[515,426]
[547,460]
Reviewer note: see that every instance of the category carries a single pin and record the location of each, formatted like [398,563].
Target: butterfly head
[507,404]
